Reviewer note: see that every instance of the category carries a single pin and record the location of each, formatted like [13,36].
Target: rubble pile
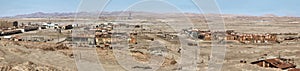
[44,46]
[140,56]
[169,61]
[58,47]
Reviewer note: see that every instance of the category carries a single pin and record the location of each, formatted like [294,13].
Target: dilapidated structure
[232,35]
[10,32]
[103,35]
[294,69]
[280,63]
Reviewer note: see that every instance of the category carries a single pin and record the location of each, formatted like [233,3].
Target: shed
[275,63]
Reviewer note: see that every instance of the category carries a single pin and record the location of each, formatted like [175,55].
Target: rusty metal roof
[280,64]
[294,69]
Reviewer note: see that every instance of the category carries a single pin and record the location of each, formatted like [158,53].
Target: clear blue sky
[246,7]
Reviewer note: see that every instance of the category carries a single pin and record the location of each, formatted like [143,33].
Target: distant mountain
[115,13]
[269,15]
[44,15]
[80,14]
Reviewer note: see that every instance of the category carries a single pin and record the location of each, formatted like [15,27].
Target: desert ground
[59,54]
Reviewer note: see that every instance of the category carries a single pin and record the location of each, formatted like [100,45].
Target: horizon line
[275,15]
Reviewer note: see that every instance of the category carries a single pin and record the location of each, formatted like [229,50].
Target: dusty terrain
[29,55]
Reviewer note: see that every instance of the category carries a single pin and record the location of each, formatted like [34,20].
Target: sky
[242,7]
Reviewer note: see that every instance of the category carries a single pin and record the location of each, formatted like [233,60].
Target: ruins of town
[252,43]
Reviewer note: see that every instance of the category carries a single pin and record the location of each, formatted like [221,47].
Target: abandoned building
[102,38]
[280,63]
[66,27]
[232,35]
[30,28]
[103,35]
[10,32]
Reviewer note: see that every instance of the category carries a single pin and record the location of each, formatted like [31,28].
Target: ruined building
[280,63]
[232,35]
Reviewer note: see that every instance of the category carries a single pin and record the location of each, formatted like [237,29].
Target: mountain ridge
[114,13]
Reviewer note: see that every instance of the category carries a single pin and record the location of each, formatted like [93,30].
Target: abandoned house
[280,63]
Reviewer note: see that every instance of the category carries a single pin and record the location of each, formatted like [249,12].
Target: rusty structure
[232,35]
[31,28]
[10,32]
[294,69]
[10,28]
[17,31]
[103,35]
[65,27]
[132,38]
[252,38]
[276,62]
[280,63]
